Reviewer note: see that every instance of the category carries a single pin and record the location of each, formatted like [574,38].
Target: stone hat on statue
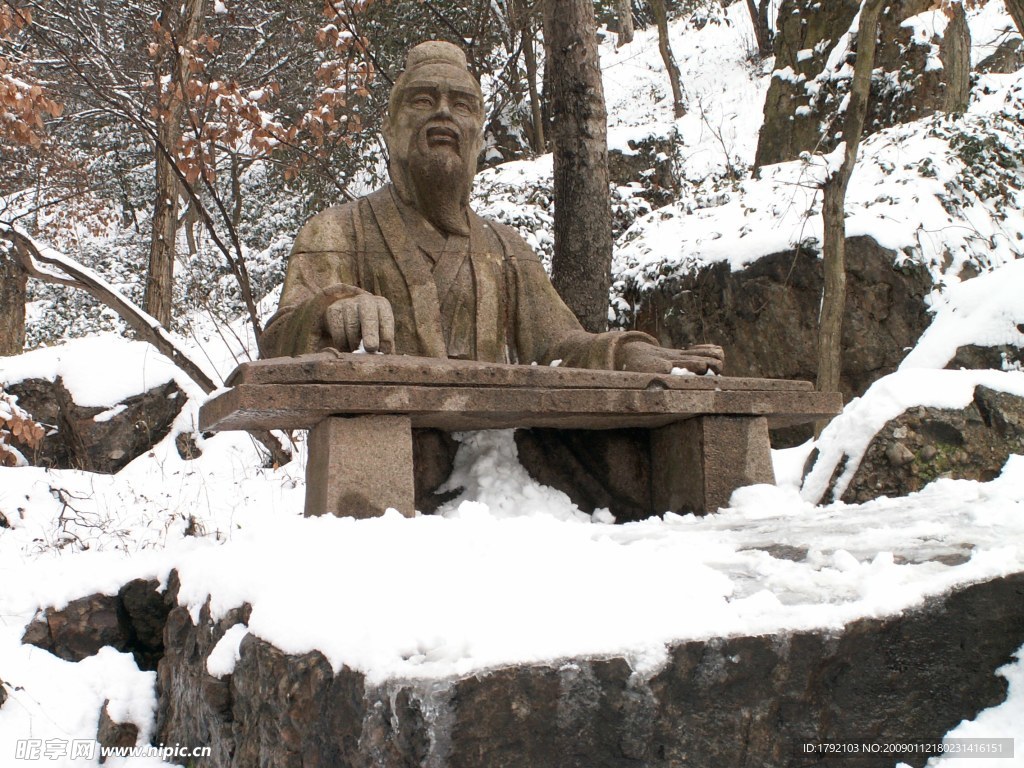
[431,52]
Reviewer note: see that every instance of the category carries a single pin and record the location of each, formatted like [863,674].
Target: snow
[1003,719]
[141,368]
[986,311]
[511,571]
[226,653]
[847,436]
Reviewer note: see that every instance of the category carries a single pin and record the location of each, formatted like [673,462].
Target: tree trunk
[581,267]
[762,30]
[624,10]
[13,287]
[661,18]
[1016,9]
[160,278]
[522,20]
[833,299]
[536,113]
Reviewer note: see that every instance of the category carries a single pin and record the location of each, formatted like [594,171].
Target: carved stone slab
[298,393]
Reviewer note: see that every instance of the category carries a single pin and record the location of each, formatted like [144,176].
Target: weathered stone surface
[144,609]
[697,464]
[923,444]
[724,702]
[360,466]
[911,88]
[191,702]
[297,393]
[778,297]
[1003,357]
[80,629]
[113,734]
[651,162]
[131,621]
[1007,58]
[76,440]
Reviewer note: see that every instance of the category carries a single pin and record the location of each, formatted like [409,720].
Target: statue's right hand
[364,318]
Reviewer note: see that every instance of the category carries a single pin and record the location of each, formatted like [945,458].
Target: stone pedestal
[698,463]
[360,466]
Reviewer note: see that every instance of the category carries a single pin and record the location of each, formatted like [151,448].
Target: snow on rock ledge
[734,701]
[915,426]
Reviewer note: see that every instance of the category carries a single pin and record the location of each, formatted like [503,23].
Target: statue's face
[438,116]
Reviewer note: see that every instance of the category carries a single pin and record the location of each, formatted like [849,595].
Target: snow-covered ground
[515,572]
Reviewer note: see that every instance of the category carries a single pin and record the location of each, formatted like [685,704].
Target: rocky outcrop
[649,162]
[1007,58]
[131,621]
[96,439]
[923,444]
[1001,357]
[722,702]
[910,87]
[766,316]
[112,734]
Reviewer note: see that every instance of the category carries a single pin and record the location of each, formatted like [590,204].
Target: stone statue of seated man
[411,269]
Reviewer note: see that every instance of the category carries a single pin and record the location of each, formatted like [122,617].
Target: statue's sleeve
[322,268]
[546,330]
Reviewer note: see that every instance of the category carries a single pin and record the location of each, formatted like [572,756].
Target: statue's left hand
[648,358]
[365,319]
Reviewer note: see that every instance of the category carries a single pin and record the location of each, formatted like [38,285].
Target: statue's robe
[485,297]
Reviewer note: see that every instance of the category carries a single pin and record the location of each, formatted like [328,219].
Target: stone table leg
[698,463]
[360,466]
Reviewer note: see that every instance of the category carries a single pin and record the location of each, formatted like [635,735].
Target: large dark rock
[912,88]
[79,629]
[909,90]
[75,440]
[745,701]
[1002,357]
[650,163]
[766,316]
[131,621]
[923,444]
[1006,59]
[112,734]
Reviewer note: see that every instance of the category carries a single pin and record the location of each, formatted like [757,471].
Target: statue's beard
[439,184]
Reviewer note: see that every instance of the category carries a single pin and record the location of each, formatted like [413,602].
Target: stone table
[709,434]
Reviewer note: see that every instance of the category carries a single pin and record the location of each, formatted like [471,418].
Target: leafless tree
[581,265]
[833,300]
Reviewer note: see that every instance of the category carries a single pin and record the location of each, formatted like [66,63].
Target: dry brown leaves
[16,428]
[24,105]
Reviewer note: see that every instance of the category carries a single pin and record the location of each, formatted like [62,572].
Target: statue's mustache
[443,134]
